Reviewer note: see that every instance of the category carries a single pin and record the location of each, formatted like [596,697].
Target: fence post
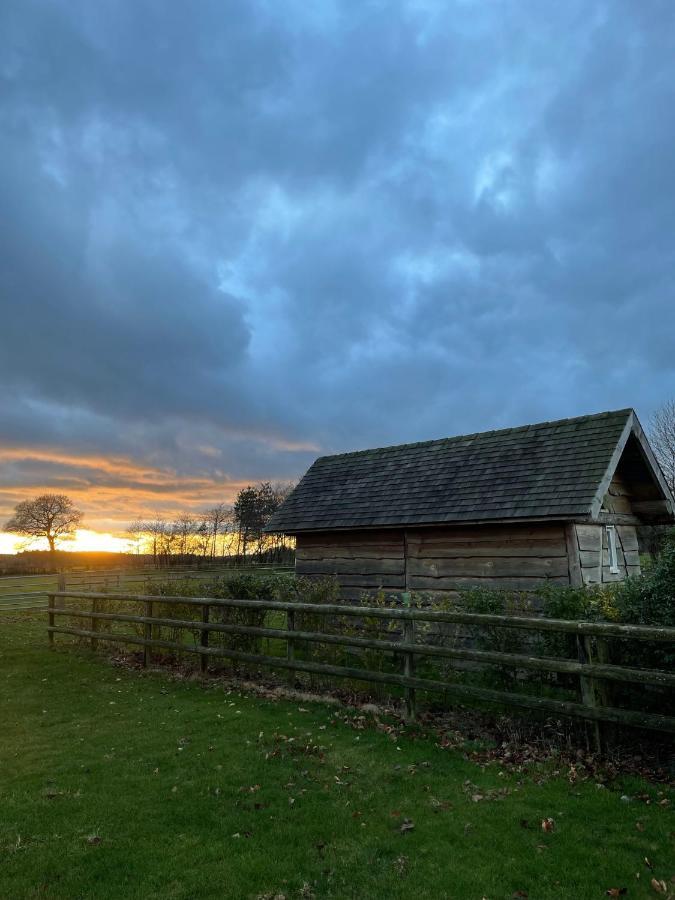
[593,690]
[94,623]
[60,586]
[147,633]
[50,606]
[203,658]
[290,644]
[409,664]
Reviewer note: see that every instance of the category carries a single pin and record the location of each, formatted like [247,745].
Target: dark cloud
[236,234]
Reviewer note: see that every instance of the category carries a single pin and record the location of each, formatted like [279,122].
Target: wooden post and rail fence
[595,673]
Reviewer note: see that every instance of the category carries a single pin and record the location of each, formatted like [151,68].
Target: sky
[237,235]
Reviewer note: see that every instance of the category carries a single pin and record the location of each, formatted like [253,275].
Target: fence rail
[30,592]
[592,667]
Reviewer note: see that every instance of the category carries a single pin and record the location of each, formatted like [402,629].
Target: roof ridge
[496,431]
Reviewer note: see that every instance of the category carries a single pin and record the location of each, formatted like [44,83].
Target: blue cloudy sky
[235,235]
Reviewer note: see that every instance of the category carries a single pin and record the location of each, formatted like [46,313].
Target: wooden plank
[589,537]
[612,577]
[591,575]
[351,537]
[338,551]
[589,559]
[356,566]
[628,537]
[481,533]
[574,563]
[373,581]
[520,566]
[441,550]
[421,583]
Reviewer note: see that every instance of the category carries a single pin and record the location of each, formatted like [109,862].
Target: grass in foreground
[114,784]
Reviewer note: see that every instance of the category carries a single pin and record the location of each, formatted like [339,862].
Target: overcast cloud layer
[237,234]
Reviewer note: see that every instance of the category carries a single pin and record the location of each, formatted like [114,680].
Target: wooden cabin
[557,502]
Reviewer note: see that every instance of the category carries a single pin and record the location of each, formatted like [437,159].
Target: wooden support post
[147,633]
[290,644]
[409,669]
[50,606]
[203,658]
[94,623]
[60,586]
[594,691]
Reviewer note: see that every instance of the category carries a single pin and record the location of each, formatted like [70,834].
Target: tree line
[235,531]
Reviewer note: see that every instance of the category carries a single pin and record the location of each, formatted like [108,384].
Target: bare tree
[662,433]
[184,528]
[155,531]
[137,533]
[216,520]
[51,516]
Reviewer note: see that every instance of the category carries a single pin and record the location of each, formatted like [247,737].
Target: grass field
[118,784]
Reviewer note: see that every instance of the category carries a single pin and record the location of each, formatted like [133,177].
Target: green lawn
[118,784]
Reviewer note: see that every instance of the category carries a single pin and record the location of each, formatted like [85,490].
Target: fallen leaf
[407,825]
[659,886]
[616,892]
[640,826]
[94,839]
[547,824]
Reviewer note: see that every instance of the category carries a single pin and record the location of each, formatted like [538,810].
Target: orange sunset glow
[85,540]
[111,492]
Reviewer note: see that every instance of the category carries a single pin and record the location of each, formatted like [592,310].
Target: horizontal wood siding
[441,561]
[361,560]
[514,557]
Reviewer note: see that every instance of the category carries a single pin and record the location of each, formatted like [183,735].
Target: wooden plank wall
[513,557]
[362,560]
[594,553]
[438,560]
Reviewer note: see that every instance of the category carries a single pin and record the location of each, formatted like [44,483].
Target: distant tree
[662,433]
[50,516]
[184,529]
[156,533]
[136,532]
[247,517]
[216,520]
[253,508]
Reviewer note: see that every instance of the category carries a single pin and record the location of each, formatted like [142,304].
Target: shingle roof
[552,469]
